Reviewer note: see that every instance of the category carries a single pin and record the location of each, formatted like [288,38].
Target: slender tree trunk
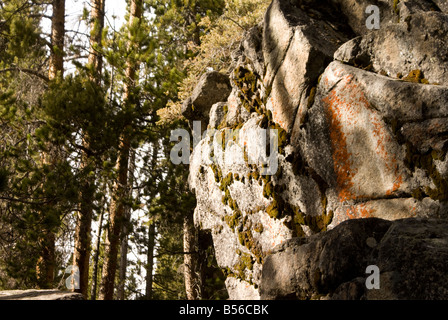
[115,224]
[46,264]
[57,40]
[150,260]
[84,224]
[95,59]
[151,231]
[119,191]
[123,263]
[81,254]
[96,258]
[125,234]
[193,285]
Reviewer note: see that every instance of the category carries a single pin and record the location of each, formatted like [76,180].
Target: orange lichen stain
[359,211]
[346,108]
[341,156]
[414,211]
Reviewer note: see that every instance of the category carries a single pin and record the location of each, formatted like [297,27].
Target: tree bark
[115,224]
[119,190]
[57,40]
[125,233]
[193,279]
[95,59]
[150,260]
[82,251]
[46,264]
[151,232]
[96,258]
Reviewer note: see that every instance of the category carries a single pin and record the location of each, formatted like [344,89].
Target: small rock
[212,87]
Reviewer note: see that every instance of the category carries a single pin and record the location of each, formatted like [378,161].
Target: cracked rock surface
[410,254]
[361,119]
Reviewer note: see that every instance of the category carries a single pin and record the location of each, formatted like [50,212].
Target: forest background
[87,104]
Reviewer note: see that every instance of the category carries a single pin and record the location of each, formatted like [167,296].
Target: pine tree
[66,142]
[119,191]
[22,78]
[83,228]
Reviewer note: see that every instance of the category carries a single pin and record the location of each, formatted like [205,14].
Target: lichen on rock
[362,132]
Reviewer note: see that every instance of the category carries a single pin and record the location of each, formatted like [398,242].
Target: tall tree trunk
[120,187]
[150,259]
[96,258]
[192,273]
[151,230]
[57,40]
[95,59]
[46,264]
[82,251]
[125,233]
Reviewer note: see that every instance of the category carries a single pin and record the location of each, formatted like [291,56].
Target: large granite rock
[364,138]
[420,42]
[411,256]
[355,139]
[297,45]
[212,87]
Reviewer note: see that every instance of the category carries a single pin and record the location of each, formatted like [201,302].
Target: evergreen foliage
[57,136]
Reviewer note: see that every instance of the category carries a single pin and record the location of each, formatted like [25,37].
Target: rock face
[410,254]
[417,44]
[39,295]
[320,122]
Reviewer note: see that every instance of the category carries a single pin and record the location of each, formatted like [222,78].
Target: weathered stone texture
[362,122]
[411,255]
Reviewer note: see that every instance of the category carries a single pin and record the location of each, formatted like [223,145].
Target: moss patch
[415,76]
[246,82]
[223,123]
[234,219]
[316,223]
[226,182]
[425,161]
[395,6]
[247,240]
[311,97]
[217,172]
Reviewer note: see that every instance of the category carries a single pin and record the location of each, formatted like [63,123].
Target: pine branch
[25,201]
[25,70]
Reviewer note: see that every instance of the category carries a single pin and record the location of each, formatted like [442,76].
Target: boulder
[217,114]
[364,136]
[419,42]
[212,87]
[251,48]
[297,46]
[355,140]
[410,253]
[391,12]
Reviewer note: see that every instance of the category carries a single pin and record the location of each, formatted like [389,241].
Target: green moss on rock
[415,76]
[226,182]
[234,219]
[414,159]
